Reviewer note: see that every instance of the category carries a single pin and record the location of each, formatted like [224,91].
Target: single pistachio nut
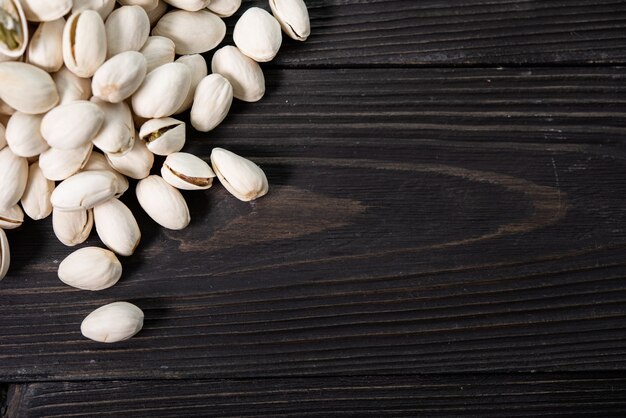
[98,161]
[163,203]
[192,32]
[5,255]
[197,66]
[13,178]
[163,91]
[84,190]
[136,163]
[11,218]
[243,73]
[117,321]
[163,136]
[90,268]
[117,227]
[224,8]
[72,227]
[72,125]
[45,49]
[187,172]
[119,77]
[189,5]
[13,29]
[242,178]
[293,16]
[127,29]
[45,10]
[147,5]
[103,7]
[27,88]
[57,164]
[257,34]
[155,14]
[158,50]
[71,87]
[117,135]
[36,197]
[23,135]
[84,43]
[212,101]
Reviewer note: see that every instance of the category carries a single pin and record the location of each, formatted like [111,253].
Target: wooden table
[445,235]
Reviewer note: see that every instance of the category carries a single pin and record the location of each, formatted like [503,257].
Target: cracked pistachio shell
[36,198]
[13,178]
[224,8]
[72,227]
[117,134]
[5,255]
[98,161]
[241,71]
[45,10]
[84,43]
[119,77]
[84,190]
[23,135]
[192,32]
[117,321]
[163,136]
[136,163]
[163,203]
[27,88]
[103,7]
[198,68]
[14,27]
[127,29]
[57,164]
[212,101]
[72,125]
[117,227]
[11,218]
[163,91]
[158,50]
[189,5]
[155,14]
[71,87]
[293,16]
[187,172]
[90,268]
[242,178]
[257,34]
[147,5]
[45,49]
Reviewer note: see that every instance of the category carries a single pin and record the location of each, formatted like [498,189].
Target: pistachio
[84,190]
[13,179]
[212,101]
[57,164]
[84,43]
[45,49]
[119,77]
[197,67]
[243,73]
[11,218]
[158,50]
[163,91]
[117,227]
[163,203]
[257,34]
[187,172]
[36,197]
[147,5]
[13,29]
[190,5]
[117,135]
[136,163]
[103,7]
[72,125]
[163,136]
[224,8]
[23,135]
[117,321]
[192,32]
[242,178]
[90,268]
[155,14]
[5,255]
[27,88]
[98,161]
[72,227]
[45,10]
[293,16]
[71,87]
[127,29]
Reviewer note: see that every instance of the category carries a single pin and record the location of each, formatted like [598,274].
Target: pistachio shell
[119,77]
[197,66]
[127,29]
[257,34]
[114,322]
[190,5]
[72,227]
[13,178]
[117,134]
[11,218]
[192,32]
[27,88]
[5,255]
[224,8]
[103,7]
[36,198]
[163,203]
[242,178]
[212,101]
[98,161]
[136,163]
[72,125]
[84,190]
[163,91]
[23,135]
[45,49]
[84,43]
[243,73]
[187,172]
[71,87]
[293,16]
[158,50]
[57,164]
[163,136]
[117,227]
[155,14]
[90,268]
[45,10]
[15,27]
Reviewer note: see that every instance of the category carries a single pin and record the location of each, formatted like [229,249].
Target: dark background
[444,235]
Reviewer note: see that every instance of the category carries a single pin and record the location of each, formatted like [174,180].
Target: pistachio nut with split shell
[36,197]
[293,16]
[11,218]
[57,164]
[117,321]
[163,136]
[163,203]
[187,172]
[84,43]
[72,227]
[13,29]
[241,177]
[90,268]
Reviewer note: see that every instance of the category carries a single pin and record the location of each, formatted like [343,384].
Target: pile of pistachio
[88,89]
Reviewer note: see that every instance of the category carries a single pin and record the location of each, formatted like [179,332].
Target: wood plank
[415,396]
[456,32]
[439,221]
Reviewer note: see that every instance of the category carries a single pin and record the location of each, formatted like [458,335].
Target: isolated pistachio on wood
[155,14]
[187,172]
[117,134]
[117,227]
[117,321]
[211,103]
[127,29]
[103,7]
[13,29]
[13,178]
[45,49]
[243,73]
[12,217]
[257,34]
[136,163]
[163,203]
[198,68]
[84,43]
[119,77]
[192,32]
[90,268]
[36,197]
[163,91]
[158,50]
[72,125]
[27,88]
[84,190]
[189,5]
[72,227]
[5,255]
[71,87]
[24,136]
[98,161]
[163,136]
[224,8]
[45,10]
[57,164]
[293,16]
[241,177]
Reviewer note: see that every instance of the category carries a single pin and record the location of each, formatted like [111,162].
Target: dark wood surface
[444,235]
